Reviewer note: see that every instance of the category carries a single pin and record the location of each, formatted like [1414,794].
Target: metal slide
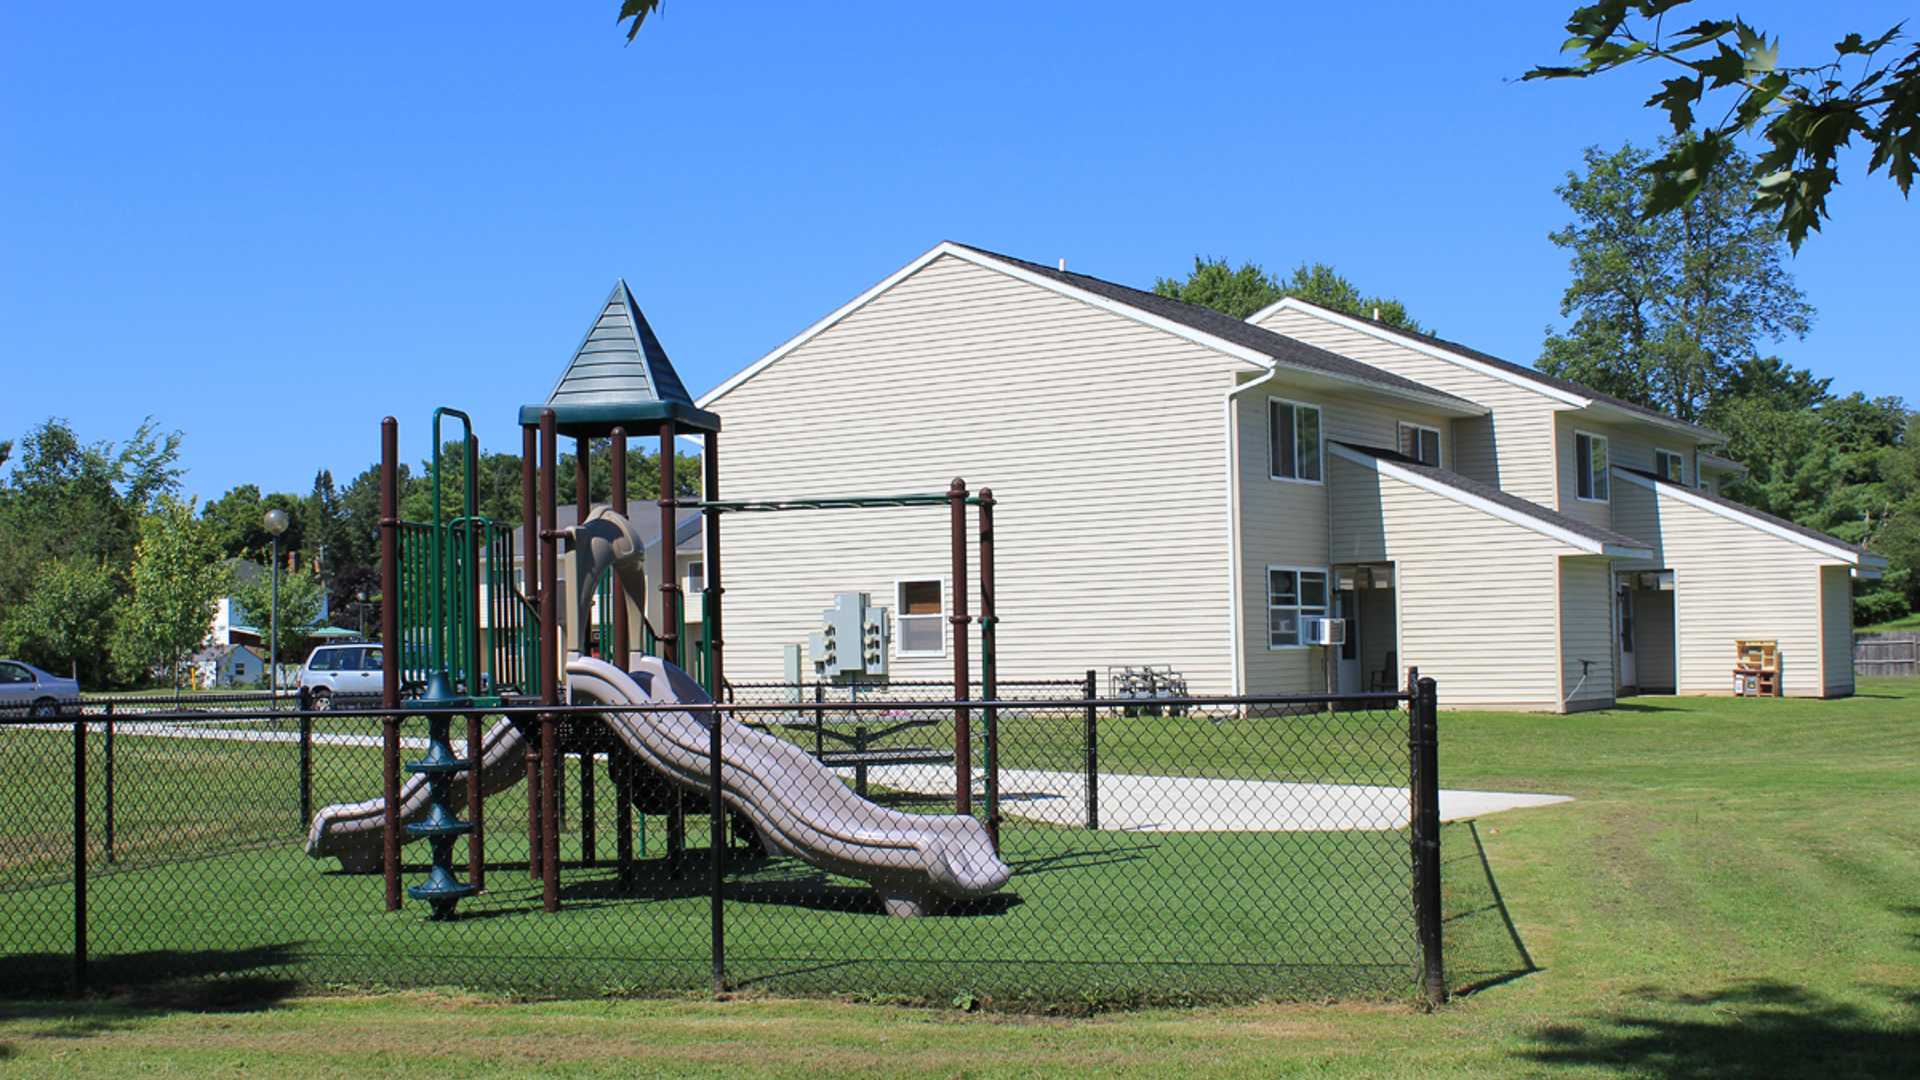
[351,832]
[917,862]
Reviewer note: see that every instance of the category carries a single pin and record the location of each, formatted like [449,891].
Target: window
[372,660]
[1590,462]
[1291,595]
[1293,441]
[14,673]
[918,614]
[1421,443]
[1670,466]
[322,660]
[696,576]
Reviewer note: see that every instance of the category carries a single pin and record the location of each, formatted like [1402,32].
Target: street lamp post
[360,600]
[275,522]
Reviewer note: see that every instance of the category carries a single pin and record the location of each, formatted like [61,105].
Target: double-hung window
[1670,466]
[919,610]
[696,571]
[1420,442]
[1590,465]
[1292,594]
[1293,441]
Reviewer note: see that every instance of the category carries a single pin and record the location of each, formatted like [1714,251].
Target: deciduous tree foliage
[1240,292]
[300,601]
[1667,309]
[177,579]
[1804,115]
[65,620]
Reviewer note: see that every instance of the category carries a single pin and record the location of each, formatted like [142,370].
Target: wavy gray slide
[918,863]
[351,832]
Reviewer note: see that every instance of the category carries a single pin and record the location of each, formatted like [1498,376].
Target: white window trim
[1587,466]
[1661,453]
[686,574]
[1266,610]
[899,651]
[1320,436]
[1439,440]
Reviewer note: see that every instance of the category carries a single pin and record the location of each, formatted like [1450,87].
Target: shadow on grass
[1473,908]
[1763,1028]
[133,986]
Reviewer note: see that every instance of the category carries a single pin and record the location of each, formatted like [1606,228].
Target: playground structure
[439,577]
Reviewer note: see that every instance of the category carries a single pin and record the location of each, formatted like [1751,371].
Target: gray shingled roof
[1277,347]
[1534,374]
[1470,486]
[1743,508]
[620,374]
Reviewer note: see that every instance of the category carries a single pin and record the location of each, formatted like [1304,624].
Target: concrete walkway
[1202,804]
[1128,803]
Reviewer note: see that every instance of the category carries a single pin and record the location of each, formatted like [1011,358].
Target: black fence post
[306,768]
[1425,746]
[79,853]
[716,840]
[1093,752]
[108,823]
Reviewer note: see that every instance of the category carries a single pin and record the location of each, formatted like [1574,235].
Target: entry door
[1346,605]
[1623,615]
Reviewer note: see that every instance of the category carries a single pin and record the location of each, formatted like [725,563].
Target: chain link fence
[1231,848]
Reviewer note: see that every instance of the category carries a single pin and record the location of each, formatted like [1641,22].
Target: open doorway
[1643,624]
[1369,660]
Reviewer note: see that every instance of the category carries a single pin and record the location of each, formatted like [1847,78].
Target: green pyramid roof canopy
[620,377]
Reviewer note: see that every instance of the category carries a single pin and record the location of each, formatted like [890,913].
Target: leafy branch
[1806,115]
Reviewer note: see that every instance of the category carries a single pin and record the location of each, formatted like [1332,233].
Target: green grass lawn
[1905,622]
[1736,891]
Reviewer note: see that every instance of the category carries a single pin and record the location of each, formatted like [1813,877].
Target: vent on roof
[1063,265]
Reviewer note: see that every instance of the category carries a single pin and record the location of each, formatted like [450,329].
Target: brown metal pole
[669,629]
[549,665]
[710,528]
[989,679]
[622,651]
[530,587]
[390,655]
[582,503]
[962,719]
[476,811]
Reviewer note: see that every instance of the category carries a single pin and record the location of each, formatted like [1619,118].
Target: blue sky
[270,225]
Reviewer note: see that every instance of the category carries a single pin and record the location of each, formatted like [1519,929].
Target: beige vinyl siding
[1101,438]
[1628,445]
[1636,513]
[1586,632]
[1469,586]
[1513,449]
[1836,615]
[1284,523]
[1733,581]
[1653,639]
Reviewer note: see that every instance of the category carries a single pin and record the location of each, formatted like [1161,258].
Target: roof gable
[1492,500]
[1794,532]
[1259,348]
[1566,391]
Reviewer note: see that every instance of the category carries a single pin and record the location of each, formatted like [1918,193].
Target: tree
[178,579]
[301,596]
[238,520]
[65,621]
[636,10]
[70,500]
[1667,309]
[1804,115]
[1239,293]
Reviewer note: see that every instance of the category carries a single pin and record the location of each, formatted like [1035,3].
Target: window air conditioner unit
[1318,630]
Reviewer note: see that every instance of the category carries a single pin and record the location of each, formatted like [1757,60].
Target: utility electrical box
[852,641]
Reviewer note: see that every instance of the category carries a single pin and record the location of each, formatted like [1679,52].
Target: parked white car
[330,670]
[24,687]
